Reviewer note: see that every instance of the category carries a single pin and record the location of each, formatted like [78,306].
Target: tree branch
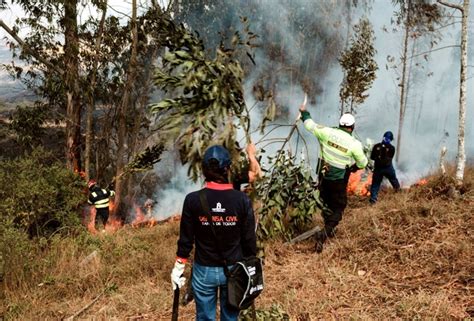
[447,25]
[451,5]
[430,51]
[28,49]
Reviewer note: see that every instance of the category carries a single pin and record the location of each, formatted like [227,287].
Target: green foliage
[359,65]
[145,159]
[38,195]
[207,105]
[26,123]
[289,198]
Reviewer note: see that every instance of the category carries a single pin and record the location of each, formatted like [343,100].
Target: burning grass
[407,257]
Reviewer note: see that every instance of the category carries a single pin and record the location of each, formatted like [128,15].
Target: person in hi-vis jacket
[340,154]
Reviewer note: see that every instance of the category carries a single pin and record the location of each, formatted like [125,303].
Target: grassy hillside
[408,257]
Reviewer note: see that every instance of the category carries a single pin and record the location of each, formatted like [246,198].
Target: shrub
[27,122]
[39,195]
[289,198]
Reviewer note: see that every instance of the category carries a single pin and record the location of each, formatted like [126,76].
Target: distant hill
[11,91]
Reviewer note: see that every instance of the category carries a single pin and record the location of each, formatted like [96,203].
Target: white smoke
[431,120]
[170,199]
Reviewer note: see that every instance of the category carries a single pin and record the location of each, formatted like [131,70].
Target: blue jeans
[377,177]
[206,282]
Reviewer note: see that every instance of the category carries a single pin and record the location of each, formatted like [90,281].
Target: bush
[38,195]
[289,198]
[27,122]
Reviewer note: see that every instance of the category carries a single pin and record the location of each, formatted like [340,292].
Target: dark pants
[101,215]
[377,177]
[334,196]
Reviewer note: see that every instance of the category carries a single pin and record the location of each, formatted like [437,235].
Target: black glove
[353,168]
[370,166]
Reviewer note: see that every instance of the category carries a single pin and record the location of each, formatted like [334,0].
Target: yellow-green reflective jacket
[100,197]
[339,149]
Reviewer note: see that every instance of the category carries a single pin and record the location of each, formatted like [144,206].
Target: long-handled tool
[174,316]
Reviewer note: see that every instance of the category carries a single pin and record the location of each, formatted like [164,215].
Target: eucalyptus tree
[90,96]
[203,94]
[54,63]
[95,63]
[298,41]
[359,67]
[125,103]
[417,18]
[461,156]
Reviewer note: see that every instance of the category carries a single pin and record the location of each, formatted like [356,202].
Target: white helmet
[347,120]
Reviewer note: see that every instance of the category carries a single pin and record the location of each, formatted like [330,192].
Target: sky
[432,110]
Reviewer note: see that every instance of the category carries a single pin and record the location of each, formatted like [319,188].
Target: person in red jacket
[234,224]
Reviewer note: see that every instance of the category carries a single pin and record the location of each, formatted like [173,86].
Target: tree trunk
[403,81]
[124,106]
[461,157]
[73,106]
[90,104]
[346,45]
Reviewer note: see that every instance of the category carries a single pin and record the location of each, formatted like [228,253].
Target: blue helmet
[218,153]
[388,135]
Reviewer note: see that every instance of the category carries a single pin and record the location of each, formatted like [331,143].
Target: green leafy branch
[289,197]
[143,161]
[205,103]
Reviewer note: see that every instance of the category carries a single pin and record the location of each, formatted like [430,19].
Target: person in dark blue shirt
[382,154]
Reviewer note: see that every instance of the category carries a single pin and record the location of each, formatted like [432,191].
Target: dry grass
[408,257]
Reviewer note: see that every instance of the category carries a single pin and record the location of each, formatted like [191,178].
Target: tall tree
[55,63]
[113,75]
[73,101]
[125,107]
[359,65]
[90,92]
[416,18]
[461,156]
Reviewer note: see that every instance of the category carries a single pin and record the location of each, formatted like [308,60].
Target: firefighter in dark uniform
[100,199]
[382,154]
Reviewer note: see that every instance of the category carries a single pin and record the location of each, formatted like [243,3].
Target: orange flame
[359,183]
[422,182]
[89,218]
[142,219]
[114,223]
